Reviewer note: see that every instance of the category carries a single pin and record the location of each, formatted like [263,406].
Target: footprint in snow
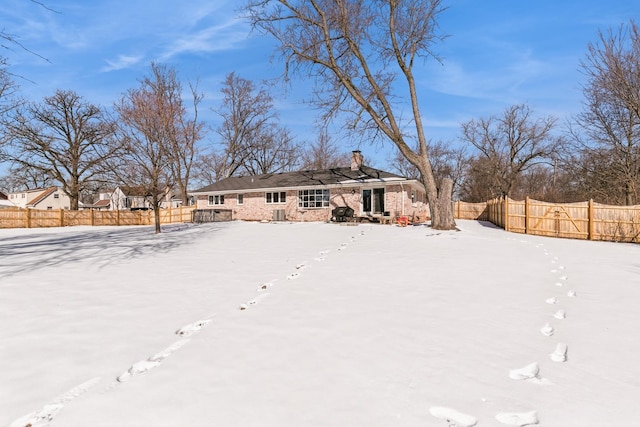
[319,259]
[571,294]
[552,300]
[547,330]
[560,353]
[530,373]
[139,368]
[560,314]
[192,328]
[564,278]
[144,366]
[265,286]
[46,414]
[452,417]
[301,266]
[519,419]
[293,276]
[559,284]
[254,301]
[257,299]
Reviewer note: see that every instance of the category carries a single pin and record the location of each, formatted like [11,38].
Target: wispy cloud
[222,37]
[122,62]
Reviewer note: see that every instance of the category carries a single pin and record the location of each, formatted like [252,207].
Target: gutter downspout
[403,194]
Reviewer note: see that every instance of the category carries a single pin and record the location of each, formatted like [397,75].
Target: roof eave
[341,184]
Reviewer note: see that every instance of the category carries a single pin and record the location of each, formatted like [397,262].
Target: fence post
[506,213]
[526,215]
[91,221]
[27,217]
[61,212]
[117,216]
[592,225]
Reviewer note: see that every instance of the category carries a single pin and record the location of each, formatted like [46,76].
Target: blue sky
[498,53]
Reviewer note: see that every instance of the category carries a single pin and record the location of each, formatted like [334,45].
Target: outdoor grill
[342,214]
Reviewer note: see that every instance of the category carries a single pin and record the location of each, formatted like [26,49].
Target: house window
[240,199]
[275,197]
[313,198]
[216,200]
[56,196]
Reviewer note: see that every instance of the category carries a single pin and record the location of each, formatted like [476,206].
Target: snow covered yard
[310,324]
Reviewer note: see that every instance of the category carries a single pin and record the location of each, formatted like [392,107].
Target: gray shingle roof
[297,179]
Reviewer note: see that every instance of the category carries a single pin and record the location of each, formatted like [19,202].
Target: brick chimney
[356,160]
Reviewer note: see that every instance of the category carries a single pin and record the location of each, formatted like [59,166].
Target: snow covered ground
[311,324]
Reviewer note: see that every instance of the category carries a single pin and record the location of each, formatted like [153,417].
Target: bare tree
[324,154]
[9,40]
[360,54]
[208,168]
[8,102]
[251,139]
[24,178]
[447,160]
[146,115]
[8,89]
[184,131]
[273,150]
[509,145]
[608,128]
[64,137]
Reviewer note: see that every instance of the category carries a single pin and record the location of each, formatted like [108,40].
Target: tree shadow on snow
[29,252]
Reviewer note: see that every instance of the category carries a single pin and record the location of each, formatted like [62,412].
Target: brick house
[312,195]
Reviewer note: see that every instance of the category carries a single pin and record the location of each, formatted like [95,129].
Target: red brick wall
[255,208]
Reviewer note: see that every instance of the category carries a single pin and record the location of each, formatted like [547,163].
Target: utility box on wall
[279,215]
[212,215]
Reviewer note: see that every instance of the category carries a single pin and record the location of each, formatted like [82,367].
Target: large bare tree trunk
[442,217]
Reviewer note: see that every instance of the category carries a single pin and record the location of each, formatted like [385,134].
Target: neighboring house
[4,201]
[312,195]
[47,198]
[102,204]
[173,200]
[127,198]
[123,198]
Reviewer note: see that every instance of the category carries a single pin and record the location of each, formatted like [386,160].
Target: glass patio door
[373,201]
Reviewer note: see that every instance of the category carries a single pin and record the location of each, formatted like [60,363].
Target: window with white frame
[275,197]
[318,198]
[56,196]
[240,199]
[216,200]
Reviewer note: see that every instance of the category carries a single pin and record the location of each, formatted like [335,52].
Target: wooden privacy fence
[33,218]
[580,220]
[466,210]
